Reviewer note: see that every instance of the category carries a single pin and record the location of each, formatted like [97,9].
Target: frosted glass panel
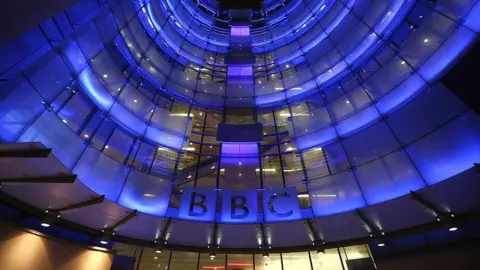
[19,106]
[146,193]
[388,178]
[101,173]
[449,150]
[370,143]
[335,194]
[422,115]
[55,134]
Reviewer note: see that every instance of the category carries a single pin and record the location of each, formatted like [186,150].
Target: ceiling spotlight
[453,228]
[212,255]
[380,243]
[320,251]
[49,218]
[265,254]
[104,239]
[158,247]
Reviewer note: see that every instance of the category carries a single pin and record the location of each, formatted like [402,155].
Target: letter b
[238,202]
[194,203]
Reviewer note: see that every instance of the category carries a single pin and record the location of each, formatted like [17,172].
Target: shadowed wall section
[21,250]
[465,257]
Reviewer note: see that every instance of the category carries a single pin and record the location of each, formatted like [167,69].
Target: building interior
[239,135]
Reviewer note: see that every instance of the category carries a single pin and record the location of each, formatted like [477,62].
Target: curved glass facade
[129,94]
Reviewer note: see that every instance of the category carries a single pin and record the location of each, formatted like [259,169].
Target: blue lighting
[130,100]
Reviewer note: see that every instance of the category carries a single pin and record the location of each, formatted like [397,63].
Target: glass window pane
[328,261]
[273,262]
[184,260]
[296,261]
[240,261]
[212,263]
[355,257]
[152,260]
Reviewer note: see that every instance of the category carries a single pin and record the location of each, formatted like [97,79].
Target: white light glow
[266,170]
[452,229]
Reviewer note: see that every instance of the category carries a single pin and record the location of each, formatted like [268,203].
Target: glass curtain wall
[88,84]
[332,259]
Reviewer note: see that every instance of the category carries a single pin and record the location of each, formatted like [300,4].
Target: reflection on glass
[328,261]
[240,261]
[152,260]
[356,256]
[273,262]
[207,262]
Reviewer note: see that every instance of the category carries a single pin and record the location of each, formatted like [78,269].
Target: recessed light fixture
[453,228]
[105,75]
[425,40]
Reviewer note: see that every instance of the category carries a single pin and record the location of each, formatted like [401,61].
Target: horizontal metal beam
[93,201]
[60,178]
[372,227]
[124,220]
[26,153]
[427,204]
